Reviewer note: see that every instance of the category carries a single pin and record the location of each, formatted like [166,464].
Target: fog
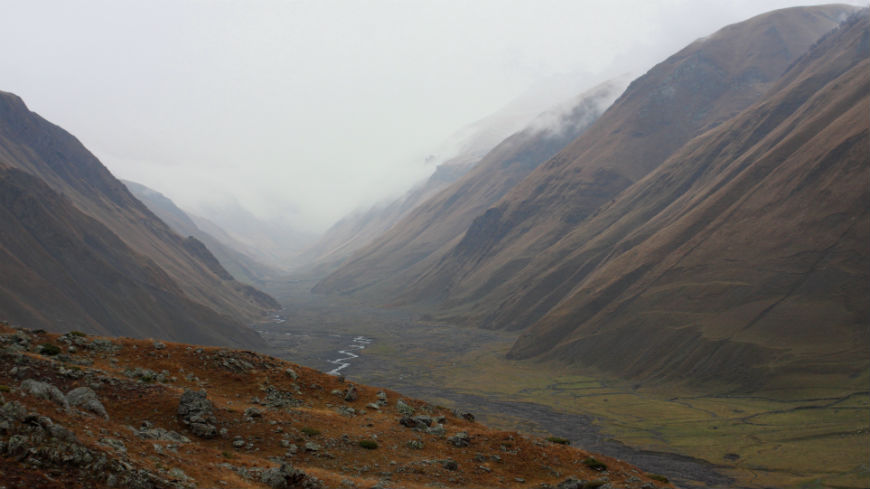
[304,111]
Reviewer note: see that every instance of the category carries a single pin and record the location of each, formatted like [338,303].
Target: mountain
[356,230]
[696,89]
[146,414]
[589,254]
[744,256]
[423,236]
[272,241]
[80,252]
[466,148]
[239,265]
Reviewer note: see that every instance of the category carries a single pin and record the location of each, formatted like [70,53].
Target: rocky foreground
[87,412]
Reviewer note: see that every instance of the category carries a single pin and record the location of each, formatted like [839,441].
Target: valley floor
[812,439]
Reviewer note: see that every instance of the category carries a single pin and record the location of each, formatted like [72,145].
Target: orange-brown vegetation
[265,414]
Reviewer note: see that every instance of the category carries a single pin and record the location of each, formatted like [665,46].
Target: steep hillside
[63,269]
[31,144]
[239,265]
[744,255]
[86,412]
[694,90]
[426,233]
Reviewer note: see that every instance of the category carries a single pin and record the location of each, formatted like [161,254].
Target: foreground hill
[86,412]
[80,252]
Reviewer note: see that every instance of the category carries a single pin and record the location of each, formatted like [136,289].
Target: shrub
[48,349]
[368,444]
[310,431]
[77,333]
[658,477]
[559,440]
[594,464]
[4,388]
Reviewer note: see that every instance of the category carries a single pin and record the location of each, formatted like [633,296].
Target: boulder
[45,391]
[197,412]
[86,399]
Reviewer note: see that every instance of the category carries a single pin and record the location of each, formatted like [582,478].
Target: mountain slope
[426,233]
[31,144]
[237,264]
[745,254]
[698,88]
[64,269]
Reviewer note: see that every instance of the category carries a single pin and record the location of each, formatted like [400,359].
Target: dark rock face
[197,412]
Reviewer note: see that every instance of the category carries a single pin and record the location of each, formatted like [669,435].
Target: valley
[813,438]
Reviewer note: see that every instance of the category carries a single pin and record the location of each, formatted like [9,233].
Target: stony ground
[79,411]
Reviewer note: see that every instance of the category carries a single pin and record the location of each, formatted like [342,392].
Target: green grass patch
[368,444]
[559,440]
[48,349]
[594,464]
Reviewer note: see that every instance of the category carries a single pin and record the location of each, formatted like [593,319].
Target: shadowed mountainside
[177,286]
[745,253]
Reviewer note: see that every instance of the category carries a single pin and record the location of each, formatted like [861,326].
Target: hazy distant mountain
[273,242]
[587,249]
[428,231]
[80,252]
[239,265]
[466,148]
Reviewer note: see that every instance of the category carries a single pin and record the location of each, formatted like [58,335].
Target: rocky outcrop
[197,413]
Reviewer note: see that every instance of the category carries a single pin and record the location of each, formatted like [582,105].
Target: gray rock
[86,399]
[45,391]
[460,439]
[288,477]
[351,394]
[292,373]
[312,447]
[403,408]
[450,464]
[197,412]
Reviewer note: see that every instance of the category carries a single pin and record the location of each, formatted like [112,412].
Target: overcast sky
[310,109]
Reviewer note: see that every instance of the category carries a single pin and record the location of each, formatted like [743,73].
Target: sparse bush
[77,333]
[4,388]
[310,431]
[559,440]
[368,444]
[227,454]
[594,464]
[48,349]
[658,477]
